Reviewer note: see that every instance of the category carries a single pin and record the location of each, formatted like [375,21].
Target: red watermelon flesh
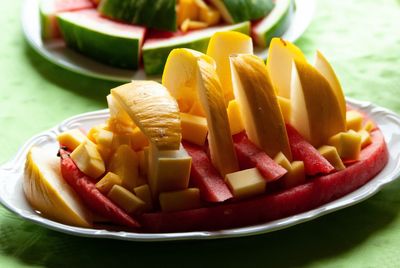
[318,191]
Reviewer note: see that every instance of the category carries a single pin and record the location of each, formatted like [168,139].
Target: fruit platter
[65,31]
[224,146]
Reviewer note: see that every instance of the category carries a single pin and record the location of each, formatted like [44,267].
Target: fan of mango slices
[137,159]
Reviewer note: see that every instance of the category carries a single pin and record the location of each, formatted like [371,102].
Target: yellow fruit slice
[211,97]
[324,67]
[279,64]
[47,192]
[119,121]
[153,110]
[316,111]
[221,46]
[187,9]
[262,116]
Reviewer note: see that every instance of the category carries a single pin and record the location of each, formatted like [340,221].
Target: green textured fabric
[362,40]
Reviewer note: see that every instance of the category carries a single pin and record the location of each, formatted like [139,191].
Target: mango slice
[354,120]
[71,138]
[235,117]
[246,183]
[348,144]
[295,171]
[365,138]
[331,154]
[286,108]
[126,200]
[180,200]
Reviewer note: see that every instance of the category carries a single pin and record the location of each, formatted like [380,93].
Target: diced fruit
[138,139]
[194,128]
[187,9]
[279,64]
[160,14]
[153,110]
[143,156]
[369,126]
[219,133]
[285,105]
[126,200]
[156,49]
[168,170]
[235,117]
[281,160]
[354,120]
[104,141]
[302,150]
[250,156]
[331,154]
[48,193]
[274,24]
[125,164]
[259,105]
[295,171]
[221,46]
[348,144]
[188,25]
[144,193]
[316,113]
[94,131]
[196,109]
[180,200]
[88,159]
[365,138]
[89,33]
[71,138]
[119,121]
[246,183]
[208,14]
[204,176]
[120,139]
[90,195]
[107,182]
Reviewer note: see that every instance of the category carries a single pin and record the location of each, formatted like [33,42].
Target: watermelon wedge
[107,41]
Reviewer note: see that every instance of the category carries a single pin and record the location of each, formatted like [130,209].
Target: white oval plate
[13,198]
[57,53]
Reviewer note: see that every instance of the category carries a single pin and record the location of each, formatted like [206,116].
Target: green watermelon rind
[114,50]
[278,22]
[156,54]
[160,14]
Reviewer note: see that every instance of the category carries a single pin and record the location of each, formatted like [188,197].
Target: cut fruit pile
[128,33]
[225,141]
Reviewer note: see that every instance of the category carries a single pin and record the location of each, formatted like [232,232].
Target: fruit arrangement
[131,33]
[225,141]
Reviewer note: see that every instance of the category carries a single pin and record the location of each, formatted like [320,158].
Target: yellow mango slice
[180,200]
[126,199]
[246,183]
[365,138]
[104,141]
[71,138]
[348,144]
[286,109]
[281,160]
[138,140]
[187,9]
[194,128]
[208,14]
[354,120]
[119,121]
[331,154]
[125,164]
[196,109]
[92,133]
[369,126]
[107,182]
[220,47]
[144,193]
[295,171]
[188,25]
[88,159]
[235,117]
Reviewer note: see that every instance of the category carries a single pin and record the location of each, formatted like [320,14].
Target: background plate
[12,196]
[59,54]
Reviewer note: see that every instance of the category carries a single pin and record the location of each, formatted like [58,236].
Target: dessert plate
[13,198]
[59,54]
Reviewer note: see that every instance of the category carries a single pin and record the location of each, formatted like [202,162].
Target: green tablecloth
[362,40]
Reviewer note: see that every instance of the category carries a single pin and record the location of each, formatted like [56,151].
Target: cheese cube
[235,117]
[348,144]
[331,154]
[144,193]
[138,140]
[88,159]
[354,120]
[180,200]
[194,128]
[125,164]
[365,138]
[71,138]
[126,200]
[246,183]
[107,182]
[286,108]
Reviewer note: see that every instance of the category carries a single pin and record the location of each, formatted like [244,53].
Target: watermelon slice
[48,10]
[273,25]
[266,208]
[158,46]
[159,14]
[110,42]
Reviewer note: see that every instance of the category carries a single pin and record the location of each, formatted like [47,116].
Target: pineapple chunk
[235,117]
[104,139]
[107,182]
[125,164]
[295,171]
[93,132]
[369,126]
[120,139]
[286,108]
[71,138]
[138,140]
[331,154]
[348,144]
[353,120]
[187,9]
[126,200]
[180,200]
[365,138]
[246,183]
[88,159]
[194,128]
[192,25]
[144,193]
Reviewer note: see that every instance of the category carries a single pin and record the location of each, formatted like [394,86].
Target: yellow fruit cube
[331,154]
[194,128]
[348,144]
[196,109]
[295,176]
[93,132]
[369,126]
[286,108]
[143,156]
[365,138]
[88,159]
[187,9]
[235,117]
[120,139]
[180,200]
[71,138]
[192,25]
[138,140]
[209,15]
[168,170]
[354,120]
[125,164]
[281,160]
[107,182]
[246,183]
[144,193]
[126,200]
[104,139]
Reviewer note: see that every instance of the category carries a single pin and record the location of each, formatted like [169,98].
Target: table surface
[362,41]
